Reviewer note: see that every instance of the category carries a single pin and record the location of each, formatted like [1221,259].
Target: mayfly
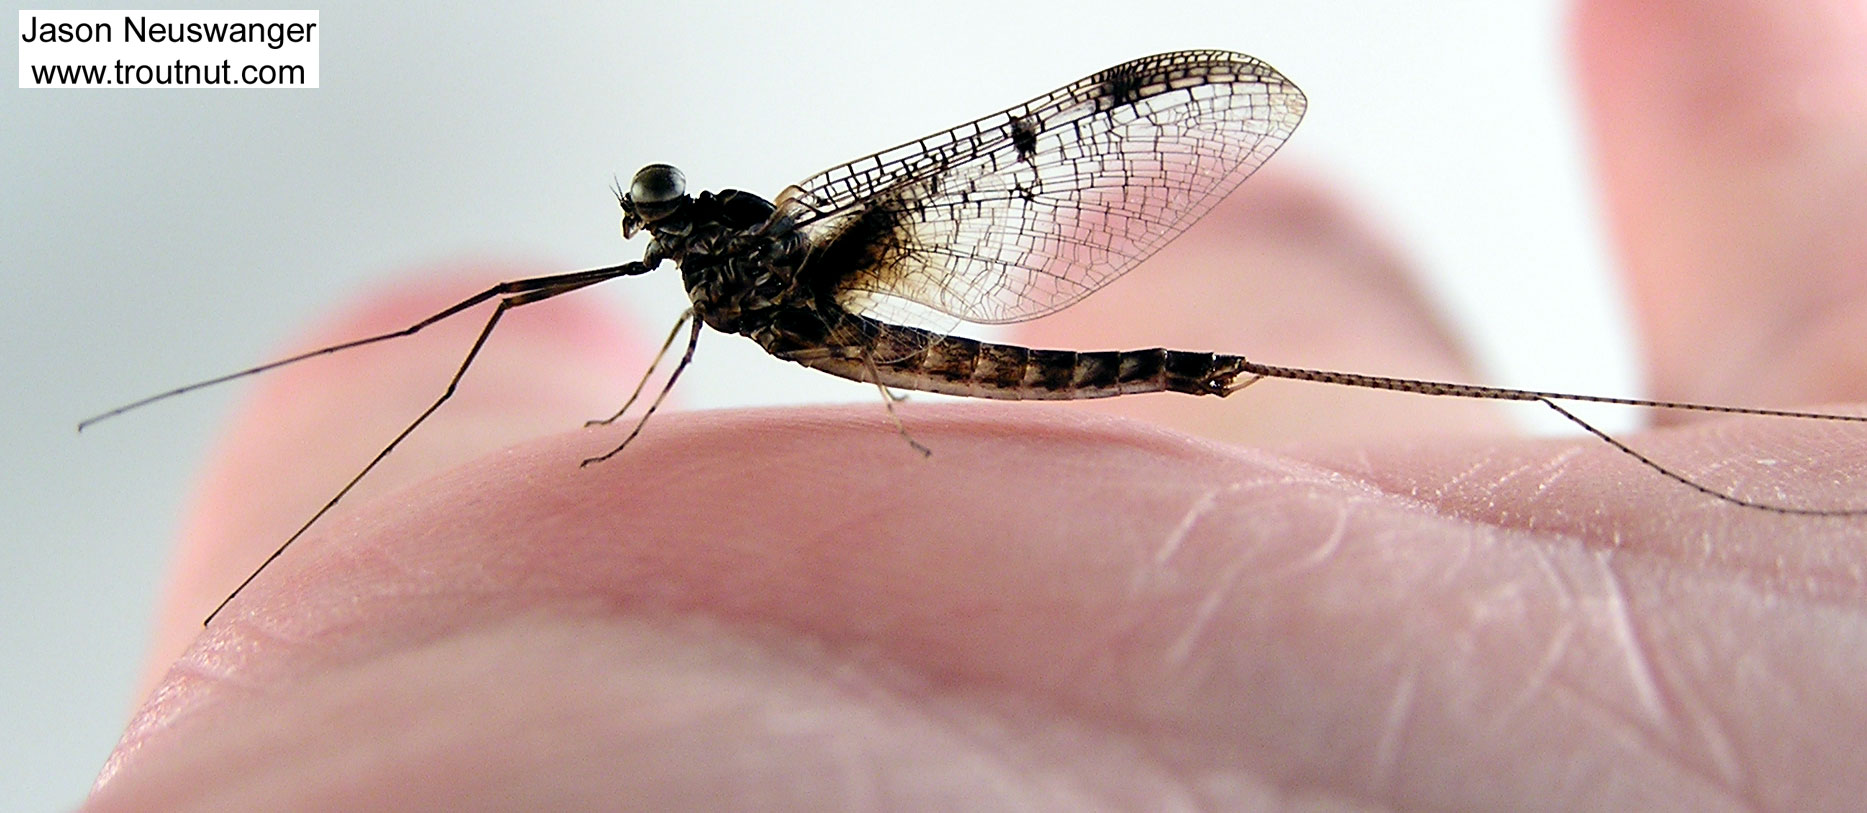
[863,270]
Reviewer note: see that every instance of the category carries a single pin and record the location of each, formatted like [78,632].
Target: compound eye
[657,186]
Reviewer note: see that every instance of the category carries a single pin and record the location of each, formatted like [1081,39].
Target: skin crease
[1063,608]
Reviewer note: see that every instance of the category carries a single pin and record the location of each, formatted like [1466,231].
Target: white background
[152,237]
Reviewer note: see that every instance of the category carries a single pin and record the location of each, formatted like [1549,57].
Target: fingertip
[1730,138]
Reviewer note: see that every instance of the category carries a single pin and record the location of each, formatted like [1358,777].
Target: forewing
[1026,211]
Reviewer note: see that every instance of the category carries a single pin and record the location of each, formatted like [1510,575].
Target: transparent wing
[1025,211]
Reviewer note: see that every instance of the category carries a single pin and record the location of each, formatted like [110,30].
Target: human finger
[781,607]
[1732,138]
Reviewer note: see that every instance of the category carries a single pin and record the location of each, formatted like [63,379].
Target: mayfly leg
[806,355]
[1549,399]
[515,294]
[888,400]
[693,340]
[511,295]
[640,385]
[556,283]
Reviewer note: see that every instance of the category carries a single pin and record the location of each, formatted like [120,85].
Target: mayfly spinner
[863,270]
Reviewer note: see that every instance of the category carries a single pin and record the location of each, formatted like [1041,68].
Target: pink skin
[790,608]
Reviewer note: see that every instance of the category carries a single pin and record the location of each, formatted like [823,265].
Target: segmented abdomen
[912,359]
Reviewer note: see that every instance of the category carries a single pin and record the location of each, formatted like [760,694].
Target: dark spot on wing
[874,239]
[1024,137]
[1119,86]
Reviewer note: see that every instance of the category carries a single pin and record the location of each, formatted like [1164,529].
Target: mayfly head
[656,192]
